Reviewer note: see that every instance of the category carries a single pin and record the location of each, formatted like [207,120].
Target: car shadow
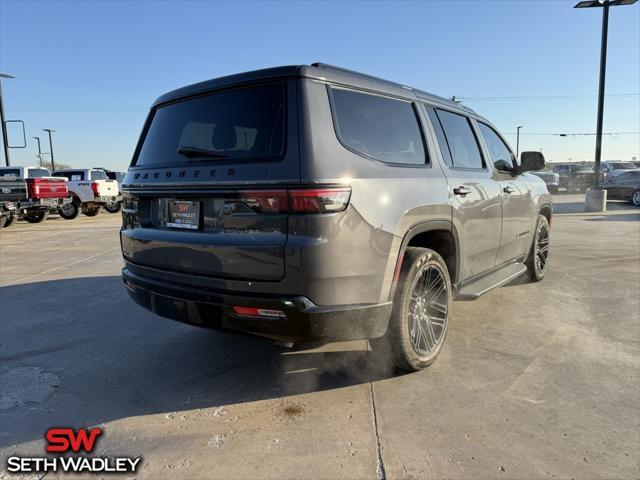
[79,352]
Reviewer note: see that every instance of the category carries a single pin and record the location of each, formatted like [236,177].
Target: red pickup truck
[30,192]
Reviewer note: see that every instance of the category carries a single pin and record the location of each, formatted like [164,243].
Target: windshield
[242,124]
[623,166]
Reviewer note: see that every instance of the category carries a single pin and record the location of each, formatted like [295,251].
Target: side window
[461,140]
[379,127]
[500,154]
[442,141]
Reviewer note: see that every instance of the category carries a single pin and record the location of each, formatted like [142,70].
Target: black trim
[304,320]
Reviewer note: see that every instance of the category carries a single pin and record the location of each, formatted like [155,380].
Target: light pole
[5,140]
[604,4]
[49,131]
[518,141]
[39,150]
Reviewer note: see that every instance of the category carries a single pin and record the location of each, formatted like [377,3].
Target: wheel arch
[547,211]
[438,235]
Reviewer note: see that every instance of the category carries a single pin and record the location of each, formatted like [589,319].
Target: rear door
[473,189]
[207,191]
[517,203]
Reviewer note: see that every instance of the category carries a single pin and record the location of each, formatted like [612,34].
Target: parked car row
[32,193]
[577,177]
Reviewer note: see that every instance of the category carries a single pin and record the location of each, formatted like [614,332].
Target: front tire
[538,259]
[36,217]
[8,220]
[553,190]
[635,198]
[420,315]
[113,207]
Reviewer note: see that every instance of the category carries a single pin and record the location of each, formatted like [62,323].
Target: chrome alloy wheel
[635,198]
[428,310]
[542,248]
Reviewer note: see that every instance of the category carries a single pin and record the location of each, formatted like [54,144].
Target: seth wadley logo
[66,440]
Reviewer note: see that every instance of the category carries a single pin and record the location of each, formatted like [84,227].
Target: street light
[518,141]
[39,150]
[49,131]
[604,4]
[5,140]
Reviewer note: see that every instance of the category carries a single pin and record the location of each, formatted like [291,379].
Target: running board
[494,280]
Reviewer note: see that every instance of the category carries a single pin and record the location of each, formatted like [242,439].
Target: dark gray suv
[314,203]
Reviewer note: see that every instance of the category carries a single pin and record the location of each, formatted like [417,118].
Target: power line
[547,97]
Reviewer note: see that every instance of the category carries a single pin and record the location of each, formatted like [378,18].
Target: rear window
[379,127]
[38,173]
[71,176]
[10,172]
[99,175]
[243,124]
[623,166]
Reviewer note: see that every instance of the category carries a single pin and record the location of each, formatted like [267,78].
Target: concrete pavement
[535,380]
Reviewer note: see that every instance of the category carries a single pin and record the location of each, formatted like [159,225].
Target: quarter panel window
[461,140]
[500,154]
[379,127]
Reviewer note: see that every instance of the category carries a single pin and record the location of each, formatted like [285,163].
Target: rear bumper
[303,321]
[43,203]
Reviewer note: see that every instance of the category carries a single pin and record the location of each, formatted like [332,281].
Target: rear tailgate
[47,187]
[207,192]
[12,190]
[107,188]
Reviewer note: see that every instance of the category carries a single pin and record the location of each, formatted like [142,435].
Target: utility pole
[49,131]
[39,150]
[604,4]
[5,140]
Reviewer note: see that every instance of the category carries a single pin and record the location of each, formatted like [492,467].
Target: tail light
[33,188]
[303,200]
[319,200]
[95,186]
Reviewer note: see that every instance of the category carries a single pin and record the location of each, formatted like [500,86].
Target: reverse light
[258,312]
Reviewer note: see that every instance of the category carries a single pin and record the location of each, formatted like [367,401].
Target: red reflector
[325,200]
[258,312]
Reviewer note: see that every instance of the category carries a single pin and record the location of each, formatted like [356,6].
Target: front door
[517,202]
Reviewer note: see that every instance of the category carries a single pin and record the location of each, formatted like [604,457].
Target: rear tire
[553,190]
[7,220]
[538,259]
[421,308]
[113,207]
[91,212]
[70,210]
[635,198]
[36,217]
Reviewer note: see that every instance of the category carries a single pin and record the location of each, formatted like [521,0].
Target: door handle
[508,189]
[461,190]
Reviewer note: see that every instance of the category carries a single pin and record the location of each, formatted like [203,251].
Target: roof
[319,71]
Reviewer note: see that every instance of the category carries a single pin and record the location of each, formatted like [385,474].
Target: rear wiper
[195,152]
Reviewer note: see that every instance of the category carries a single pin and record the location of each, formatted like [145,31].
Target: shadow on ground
[563,208]
[79,352]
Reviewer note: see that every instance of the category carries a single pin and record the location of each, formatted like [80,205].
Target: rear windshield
[10,172]
[38,173]
[99,175]
[242,124]
[71,176]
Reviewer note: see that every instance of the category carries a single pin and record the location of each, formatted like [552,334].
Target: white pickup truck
[90,190]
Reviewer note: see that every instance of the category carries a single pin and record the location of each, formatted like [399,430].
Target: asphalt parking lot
[535,380]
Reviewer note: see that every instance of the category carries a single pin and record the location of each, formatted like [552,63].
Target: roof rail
[359,74]
[418,93]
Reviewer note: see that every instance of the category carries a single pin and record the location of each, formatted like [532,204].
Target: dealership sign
[69,441]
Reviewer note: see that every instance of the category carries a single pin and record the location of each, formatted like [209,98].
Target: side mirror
[530,161]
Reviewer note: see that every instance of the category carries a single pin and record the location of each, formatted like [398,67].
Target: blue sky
[90,69]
